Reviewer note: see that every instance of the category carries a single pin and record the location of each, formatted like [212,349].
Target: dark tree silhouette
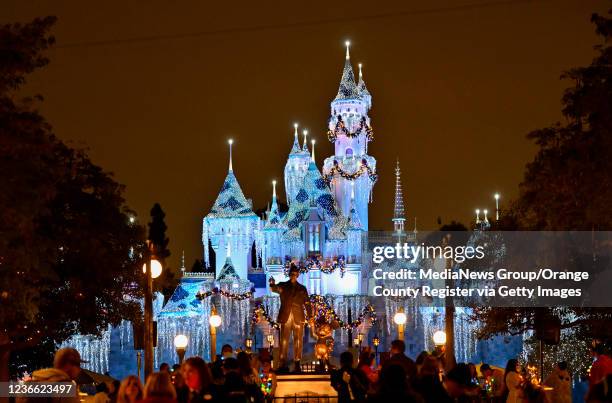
[65,235]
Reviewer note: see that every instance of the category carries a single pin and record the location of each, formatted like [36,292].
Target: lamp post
[439,339]
[152,268]
[214,321]
[248,343]
[270,340]
[376,342]
[180,343]
[400,320]
[360,339]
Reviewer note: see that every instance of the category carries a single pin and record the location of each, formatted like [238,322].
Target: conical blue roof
[231,202]
[315,190]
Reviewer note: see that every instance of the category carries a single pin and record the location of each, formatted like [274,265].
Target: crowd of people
[245,377]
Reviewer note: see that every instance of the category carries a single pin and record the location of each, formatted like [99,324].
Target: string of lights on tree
[322,311]
[364,168]
[341,129]
[217,291]
[327,266]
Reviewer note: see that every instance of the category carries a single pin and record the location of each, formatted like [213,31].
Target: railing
[306,398]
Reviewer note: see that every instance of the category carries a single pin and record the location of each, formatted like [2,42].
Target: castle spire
[296,144]
[348,87]
[305,133]
[313,154]
[362,90]
[398,211]
[183,262]
[230,142]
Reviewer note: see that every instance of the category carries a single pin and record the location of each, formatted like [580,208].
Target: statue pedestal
[304,387]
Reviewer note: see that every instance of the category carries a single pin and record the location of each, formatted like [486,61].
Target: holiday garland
[326,266]
[235,296]
[322,310]
[341,129]
[364,168]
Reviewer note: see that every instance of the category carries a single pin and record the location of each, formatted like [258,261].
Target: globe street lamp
[214,321]
[400,320]
[156,268]
[439,339]
[180,343]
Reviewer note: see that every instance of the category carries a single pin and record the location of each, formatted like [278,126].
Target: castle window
[348,152]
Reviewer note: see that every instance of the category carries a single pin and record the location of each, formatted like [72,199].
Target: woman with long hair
[130,390]
[159,389]
[198,379]
[514,382]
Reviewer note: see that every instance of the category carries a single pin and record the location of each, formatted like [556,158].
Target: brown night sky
[455,89]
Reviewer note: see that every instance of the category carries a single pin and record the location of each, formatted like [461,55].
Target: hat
[67,355]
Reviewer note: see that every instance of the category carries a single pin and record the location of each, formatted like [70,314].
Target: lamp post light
[214,321]
[496,196]
[376,342]
[180,343]
[360,339]
[152,268]
[400,320]
[439,339]
[248,343]
[270,340]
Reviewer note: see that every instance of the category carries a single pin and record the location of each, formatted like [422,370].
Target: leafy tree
[568,186]
[157,235]
[65,236]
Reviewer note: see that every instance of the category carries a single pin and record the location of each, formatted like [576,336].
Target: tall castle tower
[350,131]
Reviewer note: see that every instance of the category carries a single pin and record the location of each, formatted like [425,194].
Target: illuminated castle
[327,219]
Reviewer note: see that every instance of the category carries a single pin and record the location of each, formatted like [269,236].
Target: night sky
[155,89]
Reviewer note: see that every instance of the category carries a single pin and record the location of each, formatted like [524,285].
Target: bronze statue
[291,316]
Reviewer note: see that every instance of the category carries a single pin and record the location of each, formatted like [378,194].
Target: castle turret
[296,166]
[350,131]
[230,226]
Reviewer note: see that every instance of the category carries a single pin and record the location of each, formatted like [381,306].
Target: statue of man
[291,316]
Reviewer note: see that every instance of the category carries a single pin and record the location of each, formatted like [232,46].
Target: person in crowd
[227,351]
[601,392]
[428,383]
[473,373]
[398,357]
[235,389]
[198,380]
[365,366]
[459,386]
[393,386]
[561,382]
[347,381]
[114,390]
[182,391]
[496,378]
[130,390]
[602,365]
[420,359]
[66,368]
[513,382]
[250,376]
[159,389]
[164,367]
[101,395]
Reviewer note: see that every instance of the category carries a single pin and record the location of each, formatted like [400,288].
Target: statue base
[304,387]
